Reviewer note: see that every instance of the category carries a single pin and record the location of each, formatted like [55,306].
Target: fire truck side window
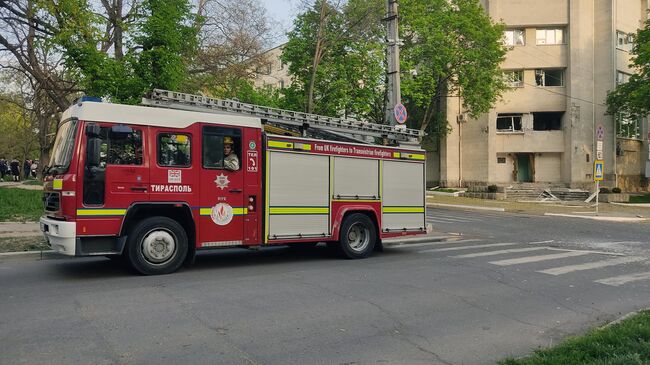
[174,150]
[213,151]
[119,148]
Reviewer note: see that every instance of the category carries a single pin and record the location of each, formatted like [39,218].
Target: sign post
[599,174]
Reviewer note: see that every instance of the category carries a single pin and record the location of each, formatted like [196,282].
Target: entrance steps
[544,192]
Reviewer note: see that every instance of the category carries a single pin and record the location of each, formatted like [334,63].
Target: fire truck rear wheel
[156,246]
[357,237]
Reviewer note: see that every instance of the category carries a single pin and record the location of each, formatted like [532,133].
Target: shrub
[604,190]
[492,188]
[616,190]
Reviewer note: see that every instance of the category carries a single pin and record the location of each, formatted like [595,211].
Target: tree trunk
[318,53]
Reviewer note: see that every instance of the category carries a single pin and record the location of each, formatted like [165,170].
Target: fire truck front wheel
[156,246]
[357,237]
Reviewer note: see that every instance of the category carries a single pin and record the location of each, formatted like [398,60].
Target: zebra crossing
[520,254]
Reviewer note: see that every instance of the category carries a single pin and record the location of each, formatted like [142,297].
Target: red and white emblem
[222,181]
[221,214]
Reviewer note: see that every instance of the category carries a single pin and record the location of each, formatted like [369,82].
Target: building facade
[565,55]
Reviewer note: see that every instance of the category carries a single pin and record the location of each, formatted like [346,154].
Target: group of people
[12,168]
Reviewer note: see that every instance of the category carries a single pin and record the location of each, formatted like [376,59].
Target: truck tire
[357,237]
[157,246]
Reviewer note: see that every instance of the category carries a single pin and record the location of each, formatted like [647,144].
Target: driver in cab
[230,159]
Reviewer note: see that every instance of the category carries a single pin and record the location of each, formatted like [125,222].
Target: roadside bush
[616,190]
[604,190]
[492,188]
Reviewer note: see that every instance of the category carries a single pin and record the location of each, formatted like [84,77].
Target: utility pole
[394,96]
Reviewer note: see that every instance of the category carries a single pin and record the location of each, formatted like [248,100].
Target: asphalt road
[510,283]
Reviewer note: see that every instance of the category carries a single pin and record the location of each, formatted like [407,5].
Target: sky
[282,11]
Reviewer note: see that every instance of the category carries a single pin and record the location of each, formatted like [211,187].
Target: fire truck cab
[156,185]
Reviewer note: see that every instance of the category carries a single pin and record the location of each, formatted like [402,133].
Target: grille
[52,202]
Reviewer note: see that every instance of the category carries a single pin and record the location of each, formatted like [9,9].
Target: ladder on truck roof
[304,121]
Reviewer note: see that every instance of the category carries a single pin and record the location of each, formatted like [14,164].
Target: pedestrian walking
[27,168]
[4,169]
[34,168]
[15,169]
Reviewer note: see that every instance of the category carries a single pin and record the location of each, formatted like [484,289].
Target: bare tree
[232,38]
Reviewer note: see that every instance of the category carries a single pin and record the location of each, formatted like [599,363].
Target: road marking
[538,242]
[467,247]
[499,252]
[624,279]
[407,245]
[529,259]
[590,265]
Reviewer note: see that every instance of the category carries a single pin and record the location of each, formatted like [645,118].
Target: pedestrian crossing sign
[599,168]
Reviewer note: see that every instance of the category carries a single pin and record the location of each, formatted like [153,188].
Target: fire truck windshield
[63,147]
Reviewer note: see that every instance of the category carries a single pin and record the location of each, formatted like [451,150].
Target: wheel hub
[158,246]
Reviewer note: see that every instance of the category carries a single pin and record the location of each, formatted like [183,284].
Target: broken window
[624,41]
[628,127]
[501,160]
[514,78]
[514,37]
[547,121]
[622,77]
[550,36]
[549,77]
[508,122]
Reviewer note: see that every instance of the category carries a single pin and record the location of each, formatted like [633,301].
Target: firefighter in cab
[230,159]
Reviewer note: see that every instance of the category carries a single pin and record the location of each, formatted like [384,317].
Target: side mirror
[92,151]
[92,130]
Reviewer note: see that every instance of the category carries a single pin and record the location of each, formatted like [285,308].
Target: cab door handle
[139,188]
[235,190]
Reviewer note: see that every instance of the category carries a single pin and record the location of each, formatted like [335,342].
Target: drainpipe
[460,154]
[614,43]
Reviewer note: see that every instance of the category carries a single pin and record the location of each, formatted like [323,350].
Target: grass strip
[640,198]
[627,342]
[19,244]
[20,205]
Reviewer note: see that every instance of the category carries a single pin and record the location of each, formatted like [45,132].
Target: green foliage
[627,342]
[451,47]
[18,139]
[19,205]
[244,91]
[162,41]
[631,100]
[616,190]
[640,199]
[338,53]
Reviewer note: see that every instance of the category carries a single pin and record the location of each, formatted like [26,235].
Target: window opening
[624,41]
[514,37]
[509,122]
[120,148]
[221,148]
[174,150]
[547,121]
[549,77]
[622,77]
[628,127]
[550,36]
[514,78]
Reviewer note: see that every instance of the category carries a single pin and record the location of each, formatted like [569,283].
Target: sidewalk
[606,211]
[17,229]
[20,185]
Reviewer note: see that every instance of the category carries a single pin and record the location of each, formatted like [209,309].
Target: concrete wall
[526,12]
[548,167]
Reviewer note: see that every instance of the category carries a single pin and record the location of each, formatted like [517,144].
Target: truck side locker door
[222,207]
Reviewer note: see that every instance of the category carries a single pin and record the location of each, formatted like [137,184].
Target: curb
[599,218]
[473,207]
[643,205]
[40,255]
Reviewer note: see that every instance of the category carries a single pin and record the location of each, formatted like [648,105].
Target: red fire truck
[156,183]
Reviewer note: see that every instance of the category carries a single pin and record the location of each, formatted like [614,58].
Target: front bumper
[61,236]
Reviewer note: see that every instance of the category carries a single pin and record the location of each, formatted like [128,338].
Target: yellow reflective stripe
[396,154]
[299,210]
[57,184]
[278,144]
[235,211]
[414,156]
[403,210]
[98,212]
[302,146]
